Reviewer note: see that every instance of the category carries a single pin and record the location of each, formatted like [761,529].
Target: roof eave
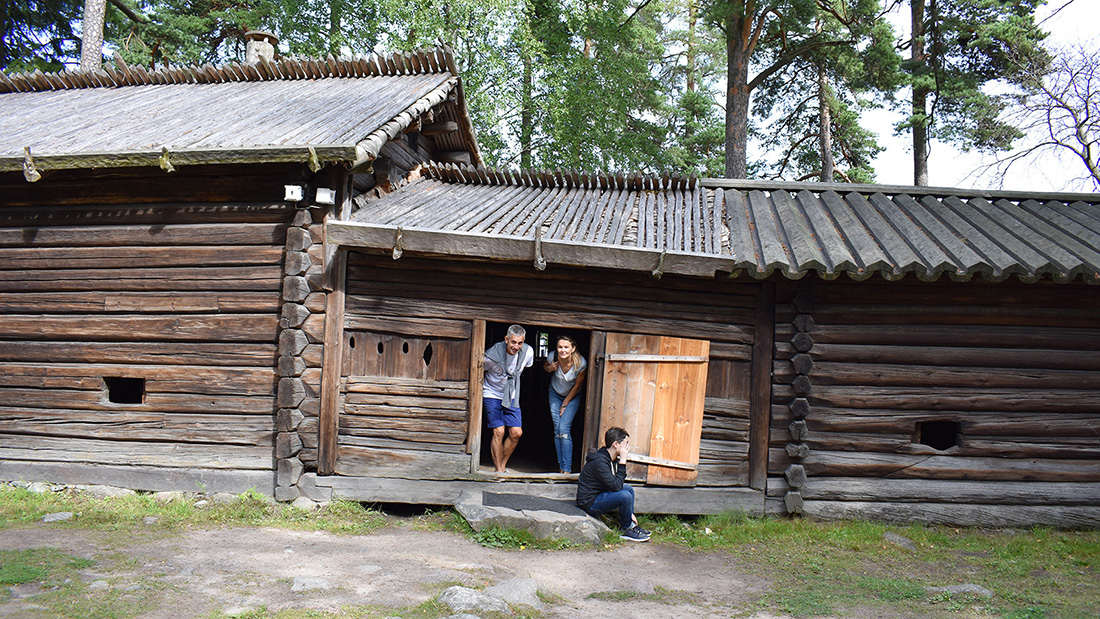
[525,249]
[167,159]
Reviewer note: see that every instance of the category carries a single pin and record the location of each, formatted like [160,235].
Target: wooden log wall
[396,310]
[173,309]
[954,396]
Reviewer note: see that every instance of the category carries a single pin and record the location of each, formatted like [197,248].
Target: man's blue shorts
[499,415]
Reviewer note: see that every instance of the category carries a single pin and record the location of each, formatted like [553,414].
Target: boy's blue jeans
[621,501]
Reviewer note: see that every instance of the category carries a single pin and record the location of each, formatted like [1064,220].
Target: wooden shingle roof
[340,110]
[709,226]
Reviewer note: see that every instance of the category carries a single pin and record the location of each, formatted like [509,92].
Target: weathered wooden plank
[761,386]
[476,372]
[951,491]
[173,455]
[149,478]
[905,466]
[440,430]
[567,299]
[398,444]
[1068,517]
[949,399]
[408,464]
[969,446]
[44,258]
[130,327]
[207,279]
[406,386]
[953,336]
[403,411]
[980,423]
[433,327]
[168,402]
[161,353]
[137,301]
[336,273]
[398,401]
[951,356]
[431,492]
[141,235]
[970,313]
[873,375]
[158,379]
[138,426]
[726,407]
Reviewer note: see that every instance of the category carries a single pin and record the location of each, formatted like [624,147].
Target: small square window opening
[122,390]
[939,435]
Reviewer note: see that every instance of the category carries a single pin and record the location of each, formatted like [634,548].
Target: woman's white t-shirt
[562,382]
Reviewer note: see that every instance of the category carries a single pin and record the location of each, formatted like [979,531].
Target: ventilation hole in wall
[125,390]
[381,348]
[405,347]
[940,435]
[428,354]
[351,341]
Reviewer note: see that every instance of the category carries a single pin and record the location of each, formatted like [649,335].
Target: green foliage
[970,45]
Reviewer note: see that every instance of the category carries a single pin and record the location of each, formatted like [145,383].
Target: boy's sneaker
[634,534]
[645,532]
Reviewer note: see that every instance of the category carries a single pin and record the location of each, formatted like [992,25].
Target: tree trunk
[526,115]
[920,97]
[335,22]
[693,16]
[91,45]
[825,119]
[738,36]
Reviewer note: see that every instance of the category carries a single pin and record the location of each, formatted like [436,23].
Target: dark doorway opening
[535,452]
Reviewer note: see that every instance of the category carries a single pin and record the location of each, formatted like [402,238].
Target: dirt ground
[200,572]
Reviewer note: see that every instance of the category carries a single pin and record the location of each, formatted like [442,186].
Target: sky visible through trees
[785,89]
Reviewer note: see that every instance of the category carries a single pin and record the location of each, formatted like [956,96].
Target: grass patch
[826,568]
[64,593]
[127,514]
[660,595]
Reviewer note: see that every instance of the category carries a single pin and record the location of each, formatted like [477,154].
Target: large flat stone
[542,523]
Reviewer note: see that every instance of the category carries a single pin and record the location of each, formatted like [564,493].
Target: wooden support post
[477,360]
[331,364]
[760,404]
[593,406]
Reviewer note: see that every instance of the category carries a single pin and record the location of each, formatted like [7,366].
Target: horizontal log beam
[649,500]
[170,455]
[149,478]
[1065,517]
[161,353]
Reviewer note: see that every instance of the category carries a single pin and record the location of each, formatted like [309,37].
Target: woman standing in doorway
[567,370]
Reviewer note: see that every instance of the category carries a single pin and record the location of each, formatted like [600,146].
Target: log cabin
[283,275]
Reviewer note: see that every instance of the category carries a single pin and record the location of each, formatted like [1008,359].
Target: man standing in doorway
[504,362]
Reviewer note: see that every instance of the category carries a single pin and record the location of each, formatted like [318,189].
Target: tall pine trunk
[920,97]
[526,128]
[738,35]
[825,133]
[91,44]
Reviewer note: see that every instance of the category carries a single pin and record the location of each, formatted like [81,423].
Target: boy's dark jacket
[599,474]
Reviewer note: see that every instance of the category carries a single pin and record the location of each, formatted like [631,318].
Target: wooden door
[654,387]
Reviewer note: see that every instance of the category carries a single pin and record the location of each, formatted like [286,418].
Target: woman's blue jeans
[563,428]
